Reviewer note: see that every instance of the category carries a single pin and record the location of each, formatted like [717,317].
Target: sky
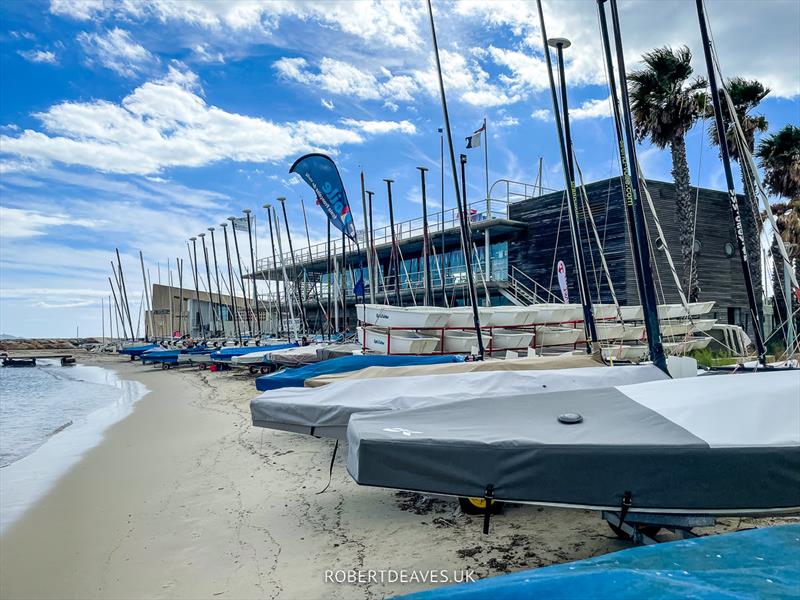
[139,123]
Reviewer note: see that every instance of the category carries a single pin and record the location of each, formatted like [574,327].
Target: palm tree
[745,96]
[666,103]
[779,156]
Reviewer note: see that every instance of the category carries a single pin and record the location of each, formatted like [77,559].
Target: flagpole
[475,315]
[330,279]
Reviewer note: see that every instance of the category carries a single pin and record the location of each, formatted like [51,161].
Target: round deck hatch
[570,418]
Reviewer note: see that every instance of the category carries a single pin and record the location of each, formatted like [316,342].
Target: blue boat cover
[758,563]
[345,364]
[137,350]
[226,354]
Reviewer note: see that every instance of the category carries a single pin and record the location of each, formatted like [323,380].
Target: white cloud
[541,114]
[21,223]
[165,123]
[382,126]
[506,121]
[205,54]
[116,50]
[592,109]
[327,103]
[38,56]
[394,23]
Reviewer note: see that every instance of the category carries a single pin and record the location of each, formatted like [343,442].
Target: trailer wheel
[164,366]
[253,370]
[477,506]
[265,370]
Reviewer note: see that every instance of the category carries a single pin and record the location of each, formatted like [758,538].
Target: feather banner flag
[320,172]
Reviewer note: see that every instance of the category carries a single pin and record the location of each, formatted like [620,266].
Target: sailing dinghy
[715,445]
[325,411]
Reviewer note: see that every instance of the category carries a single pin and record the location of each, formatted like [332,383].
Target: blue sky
[138,123]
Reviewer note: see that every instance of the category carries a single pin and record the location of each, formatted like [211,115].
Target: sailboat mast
[119,310]
[426,271]
[366,238]
[123,292]
[268,208]
[256,312]
[726,163]
[231,290]
[295,272]
[216,277]
[393,266]
[466,240]
[241,276]
[648,290]
[454,170]
[202,237]
[147,299]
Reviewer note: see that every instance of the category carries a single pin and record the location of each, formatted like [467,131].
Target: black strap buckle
[488,496]
[627,502]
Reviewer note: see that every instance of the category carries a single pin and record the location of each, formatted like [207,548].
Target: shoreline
[183,498]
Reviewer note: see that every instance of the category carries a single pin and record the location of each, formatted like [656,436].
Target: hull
[406,317]
[557,336]
[700,308]
[503,339]
[671,311]
[396,342]
[462,317]
[609,311]
[695,445]
[326,411]
[463,341]
[626,353]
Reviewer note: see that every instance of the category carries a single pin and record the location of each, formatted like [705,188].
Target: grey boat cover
[325,411]
[720,444]
[337,350]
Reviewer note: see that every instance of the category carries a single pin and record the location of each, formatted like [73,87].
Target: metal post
[441,258]
[234,307]
[295,275]
[393,266]
[373,281]
[329,269]
[366,238]
[466,240]
[216,277]
[726,163]
[268,208]
[577,245]
[202,237]
[487,240]
[426,271]
[256,312]
[241,276]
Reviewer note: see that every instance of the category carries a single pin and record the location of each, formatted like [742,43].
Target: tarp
[337,350]
[565,361]
[326,411]
[293,357]
[759,563]
[225,354]
[718,444]
[137,350]
[296,377]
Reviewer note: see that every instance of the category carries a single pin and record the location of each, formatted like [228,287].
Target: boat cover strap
[487,509]
[330,469]
[627,502]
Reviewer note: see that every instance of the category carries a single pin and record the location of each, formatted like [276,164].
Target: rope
[696,203]
[558,234]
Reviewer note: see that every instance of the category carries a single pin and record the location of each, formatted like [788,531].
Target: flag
[474,140]
[562,280]
[358,289]
[320,172]
[239,223]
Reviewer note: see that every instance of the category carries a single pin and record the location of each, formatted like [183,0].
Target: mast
[648,290]
[441,182]
[565,139]
[123,292]
[256,312]
[268,208]
[487,242]
[295,273]
[446,115]
[202,237]
[241,276]
[119,310]
[285,279]
[466,241]
[329,269]
[180,300]
[147,298]
[216,277]
[393,266]
[366,238]
[231,291]
[426,271]
[373,277]
[726,163]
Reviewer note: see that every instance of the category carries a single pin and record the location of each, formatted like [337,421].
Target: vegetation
[666,102]
[779,156]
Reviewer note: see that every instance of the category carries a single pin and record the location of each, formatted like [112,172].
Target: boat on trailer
[397,341]
[715,445]
[409,317]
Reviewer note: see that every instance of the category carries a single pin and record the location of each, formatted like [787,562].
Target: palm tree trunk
[684,204]
[748,210]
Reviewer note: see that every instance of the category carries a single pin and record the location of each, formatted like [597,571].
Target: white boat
[410,317]
[396,341]
[704,324]
[463,341]
[700,308]
[511,338]
[609,311]
[632,333]
[675,328]
[625,352]
[671,311]
[557,336]
[686,346]
[251,358]
[510,316]
[463,317]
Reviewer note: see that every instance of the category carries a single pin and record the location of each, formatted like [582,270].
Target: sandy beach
[185,499]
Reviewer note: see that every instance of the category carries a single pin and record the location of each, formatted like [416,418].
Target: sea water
[50,415]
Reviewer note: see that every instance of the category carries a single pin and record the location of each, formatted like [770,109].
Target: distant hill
[5,336]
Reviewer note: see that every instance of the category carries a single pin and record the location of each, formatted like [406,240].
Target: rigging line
[558,235]
[591,247]
[696,204]
[480,271]
[408,278]
[603,263]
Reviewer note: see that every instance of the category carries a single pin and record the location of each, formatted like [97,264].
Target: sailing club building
[528,233]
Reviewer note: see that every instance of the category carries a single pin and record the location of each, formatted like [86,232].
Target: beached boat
[463,341]
[225,355]
[625,352]
[694,445]
[675,328]
[137,350]
[700,308]
[396,341]
[463,316]
[703,325]
[409,317]
[295,357]
[326,411]
[609,311]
